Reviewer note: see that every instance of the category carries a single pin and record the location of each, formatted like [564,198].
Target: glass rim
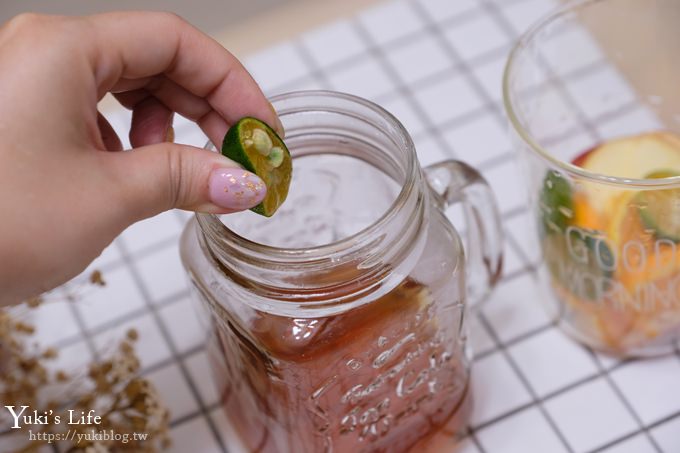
[350,243]
[524,40]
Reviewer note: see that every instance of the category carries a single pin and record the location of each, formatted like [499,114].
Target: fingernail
[235,188]
[170,135]
[278,127]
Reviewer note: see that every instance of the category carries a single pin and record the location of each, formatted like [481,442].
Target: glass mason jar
[591,93]
[338,324]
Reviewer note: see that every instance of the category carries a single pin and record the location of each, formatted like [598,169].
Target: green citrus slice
[660,209]
[257,147]
[557,204]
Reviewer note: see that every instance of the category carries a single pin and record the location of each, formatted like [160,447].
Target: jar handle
[452,182]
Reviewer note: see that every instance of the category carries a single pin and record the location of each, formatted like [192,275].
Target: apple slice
[630,157]
[635,157]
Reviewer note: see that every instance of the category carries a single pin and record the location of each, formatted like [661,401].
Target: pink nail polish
[235,188]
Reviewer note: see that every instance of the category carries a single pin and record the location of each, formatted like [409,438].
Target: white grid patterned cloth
[436,65]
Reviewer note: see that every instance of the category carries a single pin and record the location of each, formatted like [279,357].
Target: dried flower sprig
[126,403]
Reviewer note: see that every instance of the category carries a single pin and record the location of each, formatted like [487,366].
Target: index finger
[135,45]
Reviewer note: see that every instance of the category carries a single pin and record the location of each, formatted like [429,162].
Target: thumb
[155,178]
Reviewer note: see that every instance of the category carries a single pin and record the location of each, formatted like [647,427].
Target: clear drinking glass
[592,95]
[338,324]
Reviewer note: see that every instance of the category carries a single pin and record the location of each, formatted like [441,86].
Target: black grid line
[489,104]
[402,88]
[80,322]
[537,402]
[430,28]
[103,268]
[137,254]
[473,437]
[147,250]
[499,418]
[615,442]
[560,391]
[624,400]
[85,332]
[141,286]
[512,243]
[318,73]
[193,415]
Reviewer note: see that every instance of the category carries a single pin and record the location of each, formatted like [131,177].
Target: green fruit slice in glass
[556,203]
[257,147]
[660,209]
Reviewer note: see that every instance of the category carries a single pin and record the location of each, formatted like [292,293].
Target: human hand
[67,190]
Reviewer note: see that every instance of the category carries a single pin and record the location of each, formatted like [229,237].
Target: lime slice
[256,146]
[556,203]
[660,174]
[660,209]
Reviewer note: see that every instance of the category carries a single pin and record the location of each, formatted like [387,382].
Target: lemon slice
[257,147]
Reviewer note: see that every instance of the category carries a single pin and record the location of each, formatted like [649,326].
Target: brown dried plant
[126,402]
